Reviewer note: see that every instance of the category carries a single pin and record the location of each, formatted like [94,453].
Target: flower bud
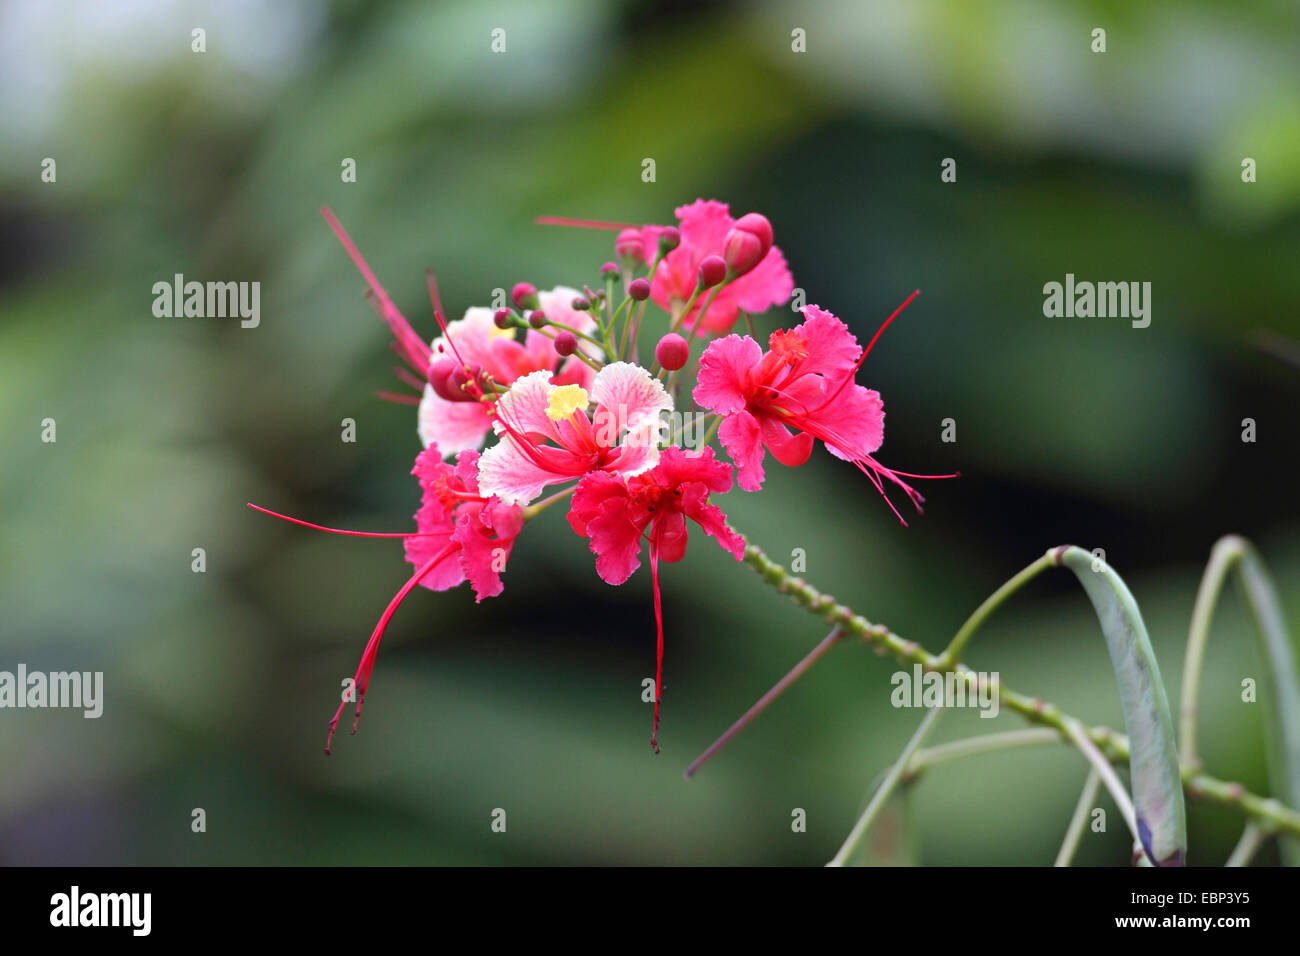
[524,295]
[758,224]
[537,319]
[610,270]
[630,247]
[713,269]
[566,343]
[742,251]
[669,240]
[747,243]
[672,351]
[501,318]
[580,304]
[639,289]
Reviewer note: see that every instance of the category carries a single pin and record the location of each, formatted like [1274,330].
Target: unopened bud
[580,304]
[672,351]
[639,289]
[747,243]
[669,240]
[537,319]
[566,343]
[742,251]
[501,317]
[630,247]
[610,270]
[712,271]
[759,225]
[524,295]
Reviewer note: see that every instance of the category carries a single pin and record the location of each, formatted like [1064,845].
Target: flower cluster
[554,385]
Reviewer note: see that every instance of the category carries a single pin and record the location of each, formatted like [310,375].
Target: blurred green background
[1116,166]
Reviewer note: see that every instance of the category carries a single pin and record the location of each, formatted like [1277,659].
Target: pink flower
[452,512]
[617,513]
[800,390]
[547,436]
[706,226]
[460,535]
[476,341]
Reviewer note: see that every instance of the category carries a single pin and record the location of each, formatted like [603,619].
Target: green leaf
[1153,759]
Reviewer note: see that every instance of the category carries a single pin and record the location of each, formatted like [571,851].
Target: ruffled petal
[631,395]
[505,471]
[452,426]
[615,540]
[853,424]
[723,383]
[741,436]
[831,349]
[522,409]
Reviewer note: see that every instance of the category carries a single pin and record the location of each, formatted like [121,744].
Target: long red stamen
[867,351]
[659,642]
[361,680]
[581,223]
[417,350]
[397,398]
[358,534]
[431,280]
[408,379]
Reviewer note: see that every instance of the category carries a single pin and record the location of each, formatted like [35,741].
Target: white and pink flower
[547,436]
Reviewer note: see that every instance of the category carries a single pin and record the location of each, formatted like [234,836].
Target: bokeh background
[1115,166]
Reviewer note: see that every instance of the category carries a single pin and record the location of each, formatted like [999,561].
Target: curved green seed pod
[1153,761]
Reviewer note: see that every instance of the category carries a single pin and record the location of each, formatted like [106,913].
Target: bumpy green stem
[1114,745]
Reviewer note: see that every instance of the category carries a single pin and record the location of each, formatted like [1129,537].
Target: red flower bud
[672,351]
[669,240]
[742,250]
[524,295]
[502,318]
[630,247]
[712,271]
[537,319]
[580,304]
[610,270]
[758,224]
[747,243]
[639,289]
[566,343]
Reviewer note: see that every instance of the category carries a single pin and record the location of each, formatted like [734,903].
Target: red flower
[800,390]
[616,514]
[460,535]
